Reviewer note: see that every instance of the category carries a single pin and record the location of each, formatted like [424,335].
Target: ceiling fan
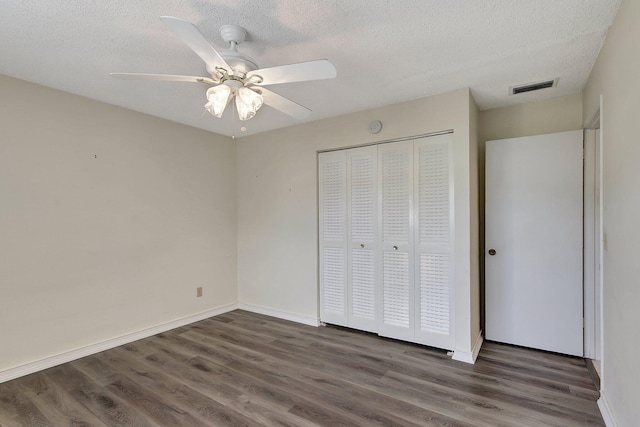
[233,74]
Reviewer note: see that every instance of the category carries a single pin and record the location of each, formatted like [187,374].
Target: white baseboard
[469,356]
[605,410]
[311,321]
[68,356]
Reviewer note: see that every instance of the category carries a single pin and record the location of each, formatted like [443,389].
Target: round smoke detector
[375,126]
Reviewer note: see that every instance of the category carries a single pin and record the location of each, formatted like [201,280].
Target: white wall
[277,202]
[109,220]
[615,76]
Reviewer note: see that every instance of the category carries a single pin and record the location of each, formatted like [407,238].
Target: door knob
[395,248]
[362,245]
[492,252]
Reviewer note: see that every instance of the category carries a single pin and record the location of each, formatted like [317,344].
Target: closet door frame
[412,327]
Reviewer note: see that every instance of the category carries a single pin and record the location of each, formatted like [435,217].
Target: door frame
[593,233]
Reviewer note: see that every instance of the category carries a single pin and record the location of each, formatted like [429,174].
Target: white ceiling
[385,51]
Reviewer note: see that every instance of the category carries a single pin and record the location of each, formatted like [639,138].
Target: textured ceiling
[385,51]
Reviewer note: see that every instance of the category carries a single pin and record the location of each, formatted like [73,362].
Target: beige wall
[277,201]
[615,76]
[109,220]
[559,114]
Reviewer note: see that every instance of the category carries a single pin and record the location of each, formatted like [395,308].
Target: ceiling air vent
[530,87]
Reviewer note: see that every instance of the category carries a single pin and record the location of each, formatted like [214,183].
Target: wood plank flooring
[245,369]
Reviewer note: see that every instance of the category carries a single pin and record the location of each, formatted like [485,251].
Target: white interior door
[396,294]
[533,222]
[433,214]
[332,174]
[362,209]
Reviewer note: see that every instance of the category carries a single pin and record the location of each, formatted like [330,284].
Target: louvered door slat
[333,206]
[396,291]
[434,293]
[363,284]
[363,191]
[396,194]
[333,280]
[433,197]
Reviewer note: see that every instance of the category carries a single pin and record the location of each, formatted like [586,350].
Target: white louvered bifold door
[332,175]
[396,293]
[362,209]
[433,195]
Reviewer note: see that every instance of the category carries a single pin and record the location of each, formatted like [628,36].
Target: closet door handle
[395,248]
[362,245]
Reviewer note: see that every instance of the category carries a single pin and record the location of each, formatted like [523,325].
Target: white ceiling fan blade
[303,71]
[164,77]
[284,105]
[196,41]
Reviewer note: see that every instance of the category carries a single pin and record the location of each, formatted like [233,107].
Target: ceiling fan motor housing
[237,61]
[240,63]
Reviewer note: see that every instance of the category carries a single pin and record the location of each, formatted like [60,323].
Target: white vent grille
[434,293]
[532,87]
[363,191]
[363,283]
[333,274]
[434,193]
[395,298]
[333,199]
[395,196]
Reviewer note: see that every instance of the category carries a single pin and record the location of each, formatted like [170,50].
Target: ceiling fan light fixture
[248,101]
[218,97]
[233,74]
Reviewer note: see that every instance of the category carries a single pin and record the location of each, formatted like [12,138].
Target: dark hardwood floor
[242,369]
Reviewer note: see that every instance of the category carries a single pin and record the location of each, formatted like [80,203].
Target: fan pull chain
[235,114]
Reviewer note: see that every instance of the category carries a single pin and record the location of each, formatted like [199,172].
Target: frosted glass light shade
[248,102]
[218,97]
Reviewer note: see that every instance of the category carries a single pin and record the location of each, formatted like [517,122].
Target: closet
[386,239]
